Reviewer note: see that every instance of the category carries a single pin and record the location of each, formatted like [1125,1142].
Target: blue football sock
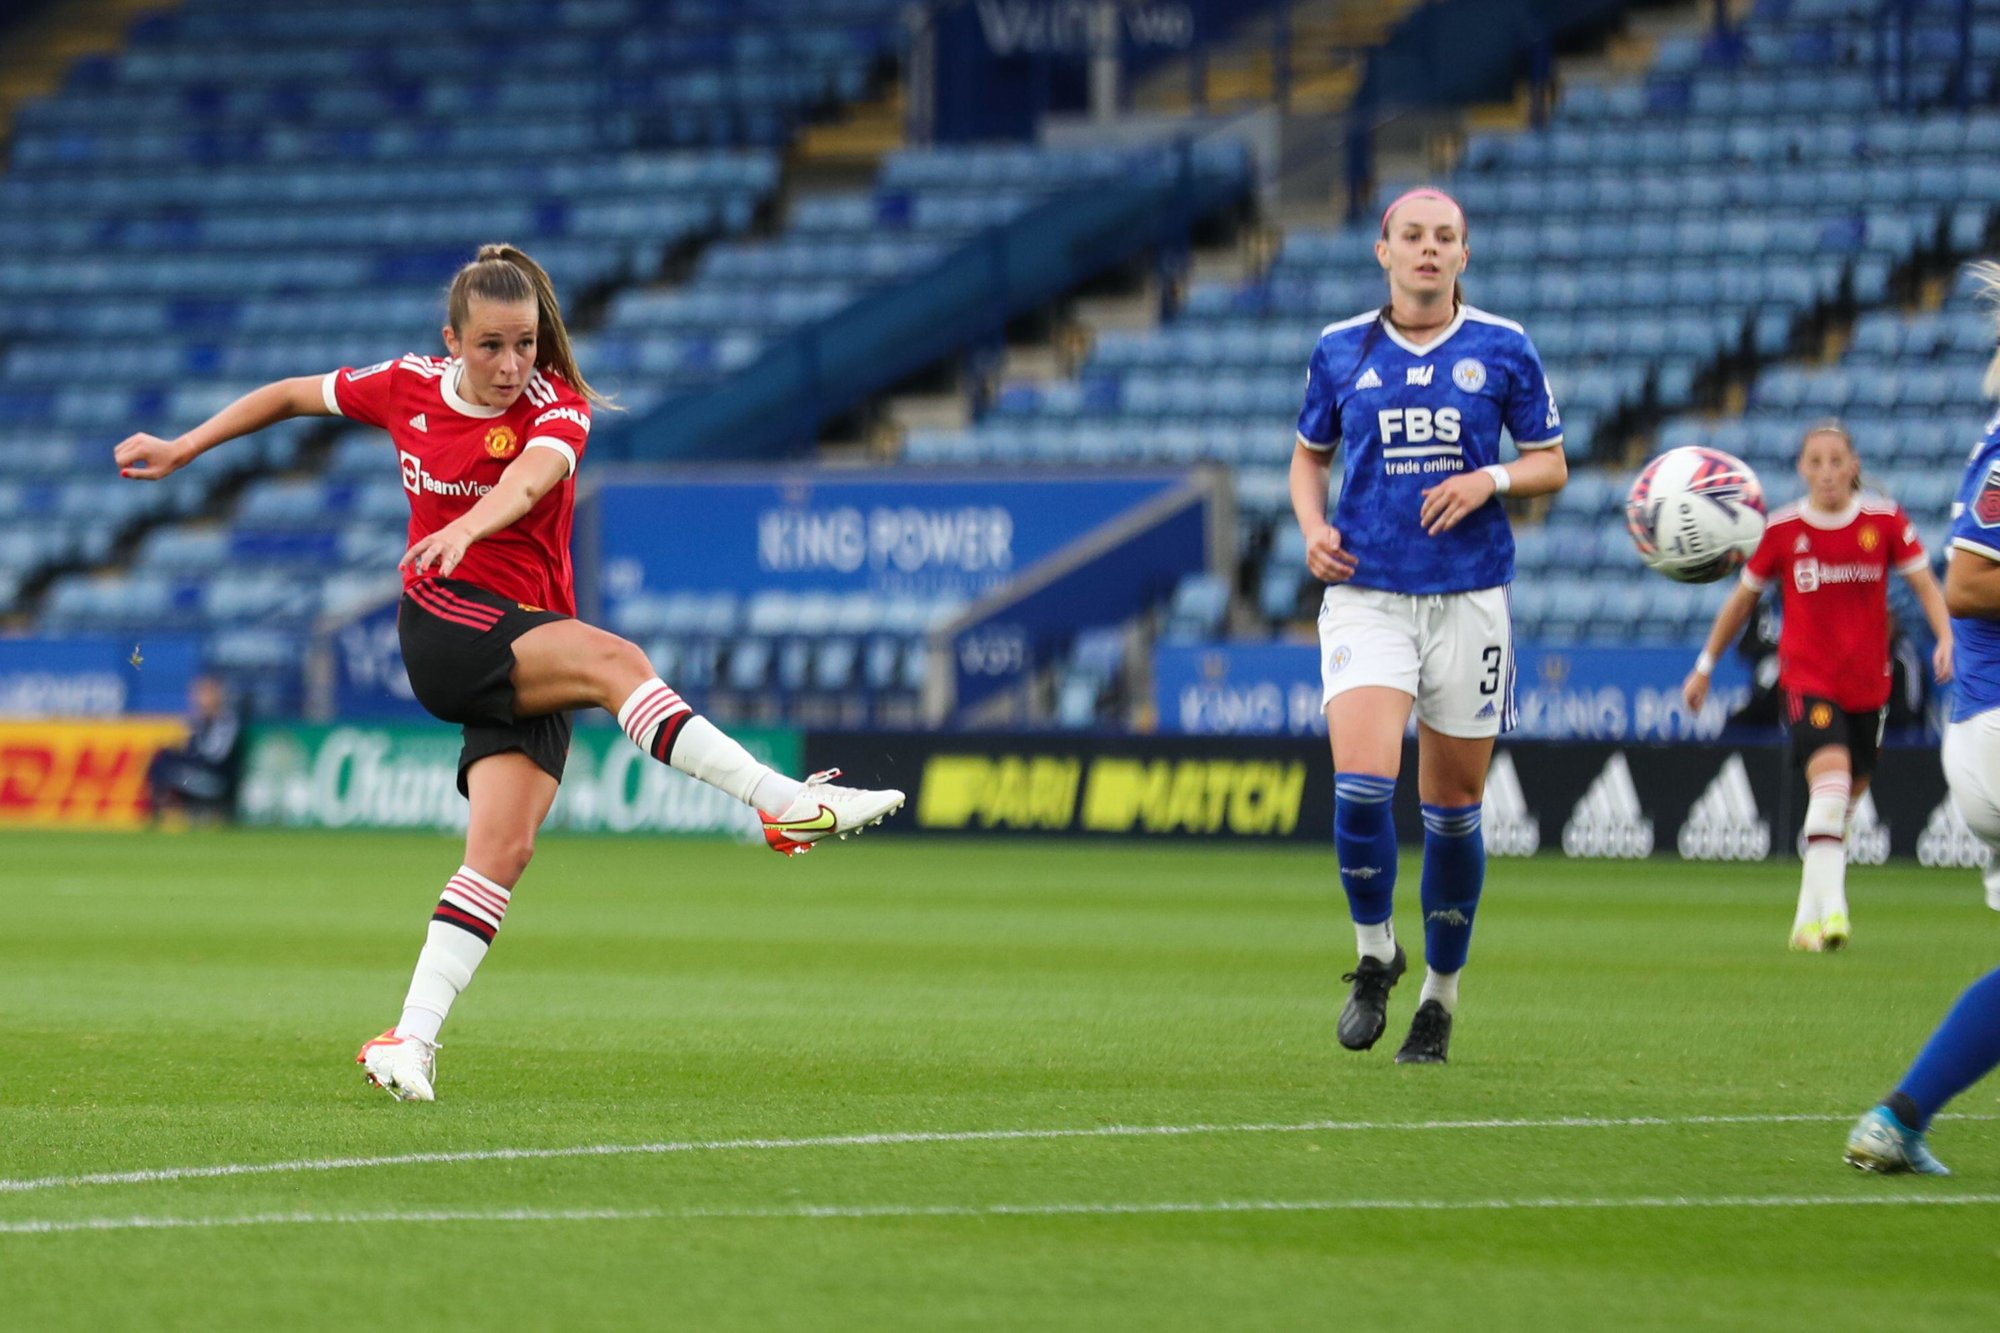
[1454,872]
[1364,837]
[1963,1050]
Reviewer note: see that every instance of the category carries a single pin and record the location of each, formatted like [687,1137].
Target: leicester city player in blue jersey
[1966,1046]
[1419,556]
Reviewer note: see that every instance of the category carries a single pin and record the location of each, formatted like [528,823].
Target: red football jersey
[453,452]
[1832,571]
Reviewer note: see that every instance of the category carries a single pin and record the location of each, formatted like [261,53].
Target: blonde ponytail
[505,273]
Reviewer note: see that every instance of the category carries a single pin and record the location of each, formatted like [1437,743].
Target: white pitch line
[865,1212]
[163,1175]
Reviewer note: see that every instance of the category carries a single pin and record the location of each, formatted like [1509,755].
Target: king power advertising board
[889,533]
[1695,801]
[1562,693]
[391,776]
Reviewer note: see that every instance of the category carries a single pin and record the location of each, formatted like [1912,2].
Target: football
[1695,513]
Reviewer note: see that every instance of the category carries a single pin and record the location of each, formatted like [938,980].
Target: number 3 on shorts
[1490,683]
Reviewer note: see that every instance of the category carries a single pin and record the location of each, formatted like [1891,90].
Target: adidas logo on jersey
[1369,380]
[1511,829]
[1946,841]
[419,422]
[1867,835]
[1724,825]
[1608,820]
[1485,711]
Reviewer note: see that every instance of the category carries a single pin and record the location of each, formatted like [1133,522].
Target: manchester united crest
[1870,539]
[1822,716]
[500,442]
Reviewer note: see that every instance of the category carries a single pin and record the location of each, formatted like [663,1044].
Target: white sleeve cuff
[1977,548]
[1914,563]
[1316,446]
[326,392]
[1549,443]
[1753,583]
[551,442]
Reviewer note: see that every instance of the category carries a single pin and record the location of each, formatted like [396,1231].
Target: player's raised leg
[568,664]
[510,796]
[1366,732]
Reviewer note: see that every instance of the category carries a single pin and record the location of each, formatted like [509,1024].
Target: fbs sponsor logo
[1946,841]
[1608,820]
[1111,795]
[1724,824]
[1867,835]
[1511,828]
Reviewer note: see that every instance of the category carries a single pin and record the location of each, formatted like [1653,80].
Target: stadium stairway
[39,49]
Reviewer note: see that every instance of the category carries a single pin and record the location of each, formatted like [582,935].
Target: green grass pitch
[194,1001]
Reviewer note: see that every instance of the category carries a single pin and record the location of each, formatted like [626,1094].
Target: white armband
[1704,665]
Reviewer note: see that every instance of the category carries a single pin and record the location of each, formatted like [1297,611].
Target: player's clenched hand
[1328,560]
[1446,503]
[148,457]
[443,548]
[1694,690]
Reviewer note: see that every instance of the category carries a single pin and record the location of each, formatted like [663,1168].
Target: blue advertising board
[96,675]
[369,680]
[1602,693]
[890,533]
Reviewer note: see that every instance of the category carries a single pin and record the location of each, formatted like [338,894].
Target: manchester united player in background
[489,440]
[1830,554]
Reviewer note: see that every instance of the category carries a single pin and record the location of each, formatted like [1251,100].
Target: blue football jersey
[1408,416]
[1975,527]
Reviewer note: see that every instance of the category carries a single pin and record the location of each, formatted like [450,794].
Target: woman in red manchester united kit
[1830,554]
[488,440]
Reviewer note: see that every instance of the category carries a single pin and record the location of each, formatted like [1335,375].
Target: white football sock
[468,915]
[1823,879]
[1377,941]
[661,723]
[1442,987]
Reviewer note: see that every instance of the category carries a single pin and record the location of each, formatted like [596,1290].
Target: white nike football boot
[403,1067]
[824,810]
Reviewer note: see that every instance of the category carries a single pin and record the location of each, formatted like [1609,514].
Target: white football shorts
[1451,652]
[1971,756]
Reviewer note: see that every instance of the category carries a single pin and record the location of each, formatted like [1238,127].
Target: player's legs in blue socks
[1963,1050]
[1454,873]
[1364,837]
[1364,834]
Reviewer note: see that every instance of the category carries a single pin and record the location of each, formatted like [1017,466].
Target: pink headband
[1424,192]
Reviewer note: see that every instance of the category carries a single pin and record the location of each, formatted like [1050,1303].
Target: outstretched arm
[149,458]
[1729,622]
[527,479]
[1924,585]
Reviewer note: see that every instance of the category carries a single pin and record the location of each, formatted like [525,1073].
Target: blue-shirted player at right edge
[1419,556]
[1966,1046]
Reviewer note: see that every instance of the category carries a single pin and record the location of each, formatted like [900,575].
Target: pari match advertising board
[1586,799]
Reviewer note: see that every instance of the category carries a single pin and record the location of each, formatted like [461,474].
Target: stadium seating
[247,192]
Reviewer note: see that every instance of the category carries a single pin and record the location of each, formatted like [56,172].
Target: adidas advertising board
[1724,824]
[1591,800]
[1608,819]
[1946,841]
[1510,828]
